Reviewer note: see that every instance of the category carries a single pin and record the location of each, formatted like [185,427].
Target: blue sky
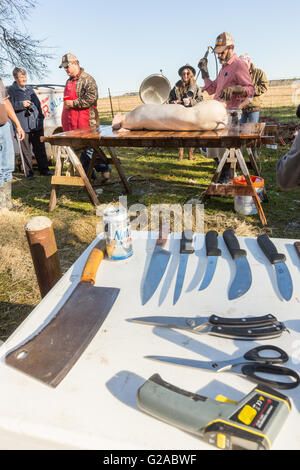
[122,42]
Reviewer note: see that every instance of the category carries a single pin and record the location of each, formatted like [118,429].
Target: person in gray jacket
[288,167]
[28,109]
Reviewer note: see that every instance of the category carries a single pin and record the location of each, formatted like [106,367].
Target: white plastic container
[117,233]
[245,204]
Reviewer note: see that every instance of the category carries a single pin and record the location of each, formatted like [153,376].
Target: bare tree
[17,47]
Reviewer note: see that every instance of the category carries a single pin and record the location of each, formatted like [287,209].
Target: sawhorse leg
[82,180]
[119,169]
[253,162]
[215,189]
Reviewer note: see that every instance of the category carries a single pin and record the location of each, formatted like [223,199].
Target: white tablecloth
[94,407]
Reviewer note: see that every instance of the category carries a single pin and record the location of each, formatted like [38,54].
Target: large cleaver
[52,352]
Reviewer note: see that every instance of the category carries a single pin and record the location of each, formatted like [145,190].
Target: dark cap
[186,66]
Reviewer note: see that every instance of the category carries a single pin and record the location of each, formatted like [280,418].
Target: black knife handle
[233,245]
[186,242]
[270,249]
[211,242]
[250,333]
[247,321]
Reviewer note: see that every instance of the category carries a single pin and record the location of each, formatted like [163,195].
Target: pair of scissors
[246,366]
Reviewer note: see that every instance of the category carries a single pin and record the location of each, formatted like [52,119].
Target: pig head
[206,115]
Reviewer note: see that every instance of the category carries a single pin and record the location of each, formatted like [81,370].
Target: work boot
[225,174]
[5,196]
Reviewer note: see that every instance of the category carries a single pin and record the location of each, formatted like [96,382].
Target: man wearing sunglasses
[232,85]
[80,106]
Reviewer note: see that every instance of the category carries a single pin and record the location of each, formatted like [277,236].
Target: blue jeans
[250,117]
[7,154]
[85,159]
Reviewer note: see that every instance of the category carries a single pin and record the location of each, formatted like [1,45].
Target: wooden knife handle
[93,262]
[297,247]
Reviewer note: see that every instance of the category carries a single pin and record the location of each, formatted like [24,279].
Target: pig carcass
[206,115]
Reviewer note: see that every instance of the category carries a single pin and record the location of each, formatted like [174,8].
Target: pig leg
[118,121]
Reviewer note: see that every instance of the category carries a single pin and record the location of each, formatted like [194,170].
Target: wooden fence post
[42,244]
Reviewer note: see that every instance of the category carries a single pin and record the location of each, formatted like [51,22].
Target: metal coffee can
[117,233]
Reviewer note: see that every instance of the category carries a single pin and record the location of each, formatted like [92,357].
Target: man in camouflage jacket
[252,109]
[80,105]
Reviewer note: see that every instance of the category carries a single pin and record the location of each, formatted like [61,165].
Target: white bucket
[245,204]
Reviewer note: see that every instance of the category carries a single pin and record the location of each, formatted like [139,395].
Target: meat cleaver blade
[50,354]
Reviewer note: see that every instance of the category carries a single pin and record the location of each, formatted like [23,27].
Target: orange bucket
[257,181]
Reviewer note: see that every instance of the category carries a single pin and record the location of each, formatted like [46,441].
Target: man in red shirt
[232,85]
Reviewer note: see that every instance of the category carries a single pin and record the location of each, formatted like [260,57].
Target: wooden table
[250,135]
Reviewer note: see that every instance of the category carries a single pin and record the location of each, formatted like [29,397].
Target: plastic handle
[250,333]
[92,264]
[270,249]
[297,245]
[211,242]
[254,355]
[250,372]
[186,242]
[233,244]
[246,321]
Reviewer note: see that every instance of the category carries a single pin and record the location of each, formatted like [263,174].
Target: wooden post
[42,244]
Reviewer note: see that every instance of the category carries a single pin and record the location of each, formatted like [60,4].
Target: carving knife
[212,252]
[186,249]
[284,280]
[243,277]
[158,264]
[51,352]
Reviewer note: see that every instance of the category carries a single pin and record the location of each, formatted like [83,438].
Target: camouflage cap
[67,59]
[223,40]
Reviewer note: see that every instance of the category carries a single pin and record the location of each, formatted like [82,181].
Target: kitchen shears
[247,328]
[246,366]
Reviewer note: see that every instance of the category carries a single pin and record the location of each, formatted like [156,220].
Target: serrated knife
[212,252]
[284,280]
[243,277]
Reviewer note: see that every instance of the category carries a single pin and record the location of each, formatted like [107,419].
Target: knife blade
[284,280]
[157,266]
[212,252]
[247,328]
[243,277]
[186,249]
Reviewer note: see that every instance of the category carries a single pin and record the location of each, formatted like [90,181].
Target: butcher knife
[53,351]
[212,252]
[243,277]
[158,264]
[186,249]
[284,280]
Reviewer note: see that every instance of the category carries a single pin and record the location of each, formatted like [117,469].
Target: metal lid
[155,89]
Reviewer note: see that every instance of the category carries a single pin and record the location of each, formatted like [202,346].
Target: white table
[94,407]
